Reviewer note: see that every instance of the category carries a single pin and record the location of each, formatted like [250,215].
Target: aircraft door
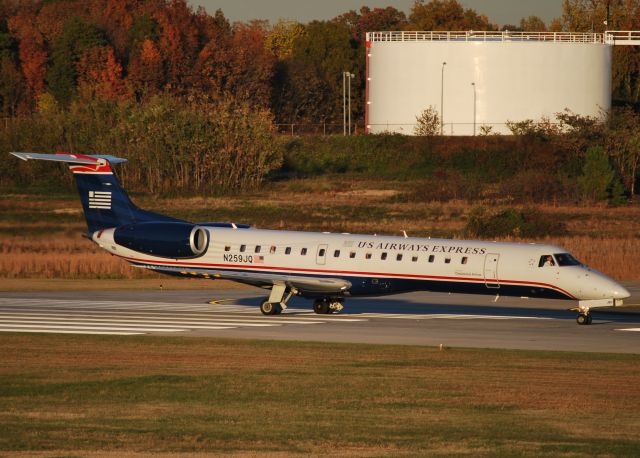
[321,254]
[491,270]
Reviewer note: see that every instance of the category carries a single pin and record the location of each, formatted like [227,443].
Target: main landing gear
[280,295]
[327,305]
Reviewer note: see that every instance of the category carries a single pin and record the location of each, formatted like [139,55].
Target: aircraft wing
[305,284]
[317,285]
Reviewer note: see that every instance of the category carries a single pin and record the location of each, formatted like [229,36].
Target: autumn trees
[136,49]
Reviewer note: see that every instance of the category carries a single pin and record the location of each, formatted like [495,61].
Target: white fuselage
[376,265]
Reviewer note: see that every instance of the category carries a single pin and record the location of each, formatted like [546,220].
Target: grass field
[80,395]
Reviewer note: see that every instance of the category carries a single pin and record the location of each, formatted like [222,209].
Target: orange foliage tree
[178,42]
[100,74]
[146,70]
[32,54]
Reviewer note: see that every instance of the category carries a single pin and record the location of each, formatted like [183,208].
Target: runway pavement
[414,319]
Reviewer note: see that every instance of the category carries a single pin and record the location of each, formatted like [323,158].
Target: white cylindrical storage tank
[512,77]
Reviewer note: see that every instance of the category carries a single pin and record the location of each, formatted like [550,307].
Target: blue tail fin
[104,202]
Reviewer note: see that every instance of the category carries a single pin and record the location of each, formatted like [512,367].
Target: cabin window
[367,256]
[336,253]
[431,258]
[303,252]
[242,248]
[447,260]
[352,254]
[414,259]
[546,260]
[398,257]
[565,259]
[464,260]
[321,252]
[258,248]
[287,250]
[383,256]
[272,250]
[227,248]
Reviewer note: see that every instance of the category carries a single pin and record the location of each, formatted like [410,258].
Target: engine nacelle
[165,239]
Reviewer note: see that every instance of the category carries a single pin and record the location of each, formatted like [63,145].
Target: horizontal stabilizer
[69,158]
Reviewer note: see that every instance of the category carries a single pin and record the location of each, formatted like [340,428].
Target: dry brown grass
[61,257]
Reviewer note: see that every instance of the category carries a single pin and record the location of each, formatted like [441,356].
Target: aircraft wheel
[268,308]
[583,319]
[321,307]
[589,319]
[278,309]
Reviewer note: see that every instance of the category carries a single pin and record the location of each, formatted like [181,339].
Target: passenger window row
[336,254]
[272,249]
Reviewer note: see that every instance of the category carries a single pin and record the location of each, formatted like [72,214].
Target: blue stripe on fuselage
[378,286]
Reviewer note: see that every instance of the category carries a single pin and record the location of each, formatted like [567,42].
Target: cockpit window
[546,261]
[565,259]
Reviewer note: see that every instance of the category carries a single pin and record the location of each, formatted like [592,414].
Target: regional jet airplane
[321,266]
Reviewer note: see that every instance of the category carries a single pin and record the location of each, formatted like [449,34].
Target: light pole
[442,99]
[344,104]
[474,108]
[345,76]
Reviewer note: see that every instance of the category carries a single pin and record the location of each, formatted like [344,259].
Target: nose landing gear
[584,318]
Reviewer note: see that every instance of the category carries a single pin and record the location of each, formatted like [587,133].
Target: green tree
[76,37]
[532,24]
[143,28]
[596,175]
[328,50]
[12,86]
[446,15]
[622,143]
[281,38]
[428,123]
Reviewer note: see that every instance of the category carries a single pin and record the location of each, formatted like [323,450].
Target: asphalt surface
[409,319]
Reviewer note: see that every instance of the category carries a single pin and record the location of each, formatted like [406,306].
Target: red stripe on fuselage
[346,272]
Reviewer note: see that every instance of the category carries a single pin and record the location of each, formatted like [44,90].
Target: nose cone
[608,288]
[594,285]
[618,291]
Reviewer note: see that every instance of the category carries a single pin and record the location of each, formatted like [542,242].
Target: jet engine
[165,239]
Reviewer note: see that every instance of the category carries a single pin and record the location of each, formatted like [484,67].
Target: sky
[498,11]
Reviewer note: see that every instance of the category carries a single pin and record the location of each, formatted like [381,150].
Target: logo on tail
[100,199]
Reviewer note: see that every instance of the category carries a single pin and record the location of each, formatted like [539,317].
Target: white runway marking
[130,318]
[116,322]
[17,327]
[172,317]
[64,331]
[629,329]
[72,316]
[446,316]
